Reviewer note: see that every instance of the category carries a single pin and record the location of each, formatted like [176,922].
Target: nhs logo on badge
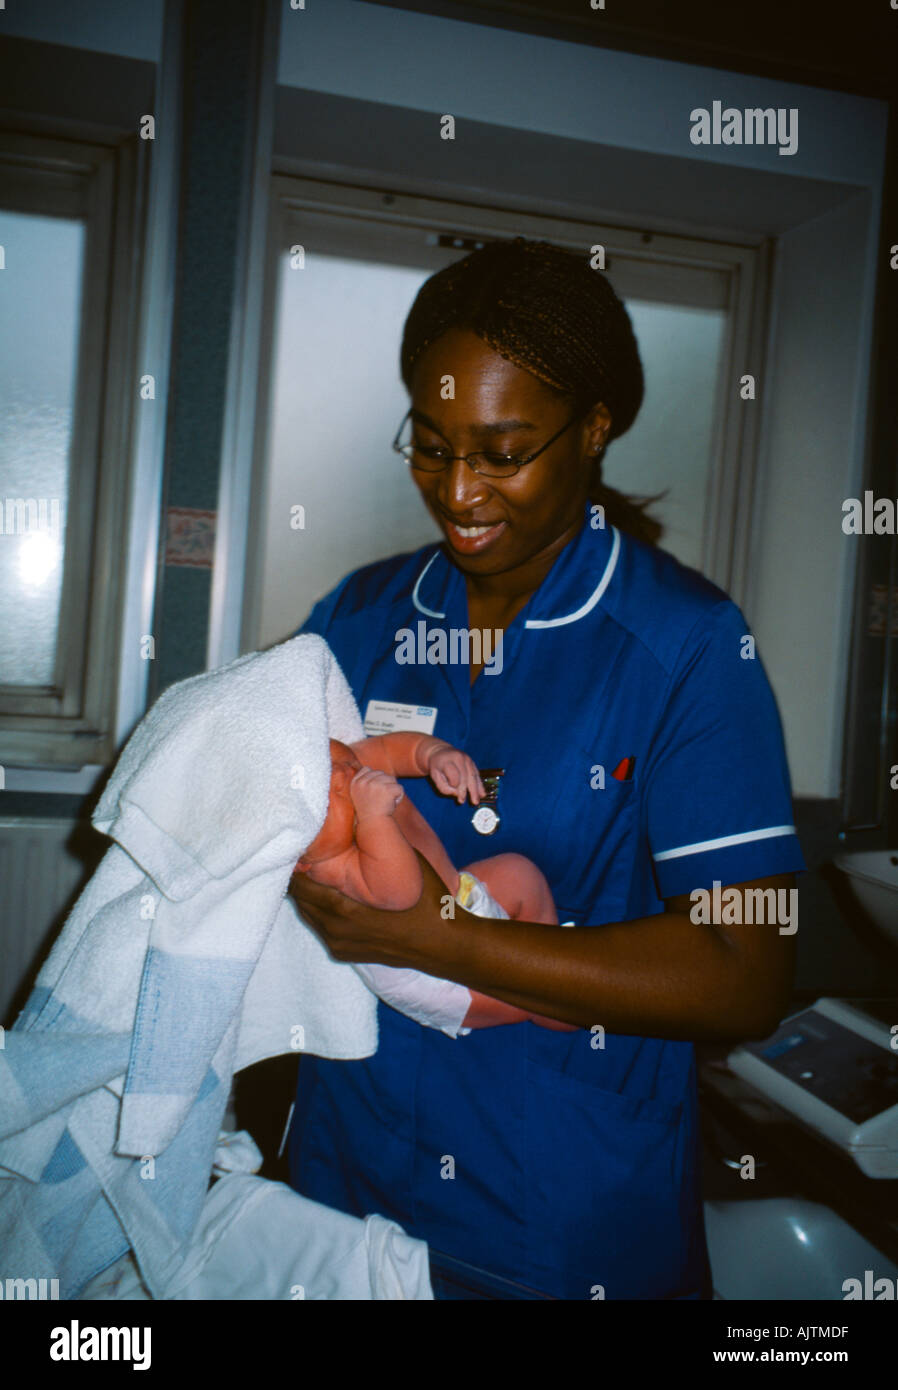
[391,717]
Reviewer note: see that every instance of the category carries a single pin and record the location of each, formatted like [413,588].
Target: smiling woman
[550,1164]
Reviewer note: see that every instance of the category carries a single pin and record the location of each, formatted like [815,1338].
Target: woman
[641,758]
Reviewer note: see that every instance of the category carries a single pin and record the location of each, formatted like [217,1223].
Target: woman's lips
[469,539]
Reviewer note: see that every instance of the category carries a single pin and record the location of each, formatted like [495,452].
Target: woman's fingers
[352,931]
[329,912]
[314,899]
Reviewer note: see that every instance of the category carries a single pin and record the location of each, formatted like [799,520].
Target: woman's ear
[598,424]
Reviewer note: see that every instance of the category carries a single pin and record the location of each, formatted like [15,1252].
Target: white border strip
[543,622]
[701,846]
[420,606]
[593,599]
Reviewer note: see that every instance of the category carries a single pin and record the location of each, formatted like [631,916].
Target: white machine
[834,1065]
[834,1068]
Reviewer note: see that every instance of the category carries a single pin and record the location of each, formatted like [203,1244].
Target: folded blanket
[257,1239]
[261,1240]
[181,962]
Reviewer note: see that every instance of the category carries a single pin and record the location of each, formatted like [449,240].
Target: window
[40,297]
[68,387]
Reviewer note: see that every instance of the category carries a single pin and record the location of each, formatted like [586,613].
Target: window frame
[73,722]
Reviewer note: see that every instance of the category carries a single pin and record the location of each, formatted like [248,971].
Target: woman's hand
[352,931]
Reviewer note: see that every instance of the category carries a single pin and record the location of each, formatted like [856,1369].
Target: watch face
[485,820]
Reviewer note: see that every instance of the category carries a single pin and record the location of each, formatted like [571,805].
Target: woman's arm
[663,976]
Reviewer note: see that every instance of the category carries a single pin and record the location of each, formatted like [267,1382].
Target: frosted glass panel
[338,401]
[40,303]
[669,446]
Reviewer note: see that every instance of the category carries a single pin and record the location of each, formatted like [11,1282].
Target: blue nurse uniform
[566,1163]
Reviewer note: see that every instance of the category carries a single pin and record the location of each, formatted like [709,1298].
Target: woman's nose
[461,488]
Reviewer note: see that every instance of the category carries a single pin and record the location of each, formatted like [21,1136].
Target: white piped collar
[415,599]
[582,540]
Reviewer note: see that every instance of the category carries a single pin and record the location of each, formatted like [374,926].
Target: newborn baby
[366,849]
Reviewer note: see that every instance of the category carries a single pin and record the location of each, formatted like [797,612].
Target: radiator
[44,864]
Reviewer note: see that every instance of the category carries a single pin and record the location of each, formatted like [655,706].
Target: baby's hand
[455,774]
[374,793]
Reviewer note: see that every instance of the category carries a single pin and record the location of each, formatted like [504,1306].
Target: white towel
[216,794]
[225,761]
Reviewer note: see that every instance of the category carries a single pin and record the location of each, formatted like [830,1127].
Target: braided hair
[544,309]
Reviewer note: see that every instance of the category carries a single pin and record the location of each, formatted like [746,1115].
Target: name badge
[392,717]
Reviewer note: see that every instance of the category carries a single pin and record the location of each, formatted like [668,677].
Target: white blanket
[260,1240]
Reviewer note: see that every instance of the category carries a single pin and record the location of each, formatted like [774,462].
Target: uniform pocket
[603,1190]
[590,834]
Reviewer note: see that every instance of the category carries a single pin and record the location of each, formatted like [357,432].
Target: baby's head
[338,831]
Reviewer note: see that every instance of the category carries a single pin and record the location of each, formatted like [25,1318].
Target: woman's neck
[503,595]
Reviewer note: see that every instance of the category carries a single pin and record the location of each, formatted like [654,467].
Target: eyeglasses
[431,459]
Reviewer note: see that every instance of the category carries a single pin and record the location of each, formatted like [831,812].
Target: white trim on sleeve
[701,846]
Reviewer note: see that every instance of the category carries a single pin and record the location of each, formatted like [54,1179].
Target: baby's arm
[409,754]
[387,865]
[399,755]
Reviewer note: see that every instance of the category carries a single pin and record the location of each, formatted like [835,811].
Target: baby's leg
[519,886]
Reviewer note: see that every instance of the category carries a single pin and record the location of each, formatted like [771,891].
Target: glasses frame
[466,458]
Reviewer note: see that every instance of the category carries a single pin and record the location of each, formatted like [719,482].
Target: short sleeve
[719,801]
